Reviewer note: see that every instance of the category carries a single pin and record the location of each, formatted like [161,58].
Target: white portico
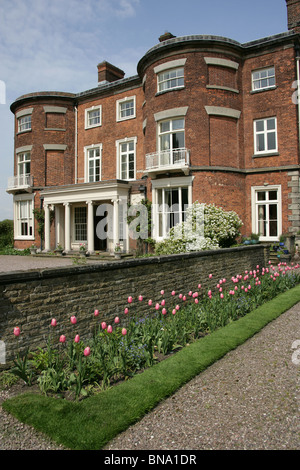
[93,214]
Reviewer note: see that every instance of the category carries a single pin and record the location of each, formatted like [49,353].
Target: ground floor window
[172,199]
[266,212]
[80,222]
[24,218]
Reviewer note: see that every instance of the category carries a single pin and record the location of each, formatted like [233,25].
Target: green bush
[206,227]
[6,233]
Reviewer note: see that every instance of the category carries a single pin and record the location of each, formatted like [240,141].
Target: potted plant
[58,249]
[117,251]
[82,249]
[33,249]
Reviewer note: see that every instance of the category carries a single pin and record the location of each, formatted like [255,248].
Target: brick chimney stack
[108,73]
[293,13]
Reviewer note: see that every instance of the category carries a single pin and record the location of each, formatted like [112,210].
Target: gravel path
[10,263]
[247,400]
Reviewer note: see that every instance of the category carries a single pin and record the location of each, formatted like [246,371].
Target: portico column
[47,227]
[67,227]
[116,221]
[90,227]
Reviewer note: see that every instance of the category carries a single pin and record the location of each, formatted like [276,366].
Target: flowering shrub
[68,365]
[206,227]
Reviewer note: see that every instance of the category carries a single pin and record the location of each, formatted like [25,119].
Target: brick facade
[110,142]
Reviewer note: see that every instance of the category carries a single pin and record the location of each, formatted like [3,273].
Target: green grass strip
[93,422]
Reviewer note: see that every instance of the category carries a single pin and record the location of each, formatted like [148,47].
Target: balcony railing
[168,160]
[16,183]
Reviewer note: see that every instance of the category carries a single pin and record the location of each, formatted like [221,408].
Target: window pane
[270,124]
[165,126]
[259,126]
[272,195]
[260,143]
[271,141]
[178,124]
[178,140]
[261,196]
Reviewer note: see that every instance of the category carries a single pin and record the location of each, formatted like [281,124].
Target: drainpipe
[76,133]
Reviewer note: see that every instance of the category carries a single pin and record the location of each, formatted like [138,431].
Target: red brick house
[206,118]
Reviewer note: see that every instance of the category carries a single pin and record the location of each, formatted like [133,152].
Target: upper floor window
[93,117]
[171,136]
[126,159]
[265,135]
[263,79]
[126,108]
[170,79]
[23,166]
[93,163]
[24,123]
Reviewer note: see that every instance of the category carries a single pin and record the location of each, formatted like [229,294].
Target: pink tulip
[53,322]
[17,331]
[62,339]
[184,298]
[73,320]
[222,296]
[164,311]
[177,307]
[150,302]
[210,276]
[209,293]
[140,298]
[162,292]
[163,302]
[117,320]
[190,293]
[109,329]
[180,296]
[77,339]
[199,286]
[173,292]
[174,311]
[126,310]
[103,325]
[196,301]
[157,307]
[87,351]
[124,331]
[96,313]
[129,299]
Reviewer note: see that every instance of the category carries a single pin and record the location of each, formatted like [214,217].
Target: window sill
[54,129]
[169,90]
[261,155]
[225,88]
[261,90]
[23,132]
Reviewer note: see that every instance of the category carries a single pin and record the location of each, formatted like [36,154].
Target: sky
[56,45]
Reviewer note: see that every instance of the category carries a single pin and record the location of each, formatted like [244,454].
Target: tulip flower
[174,311]
[210,276]
[164,311]
[126,310]
[73,320]
[96,313]
[222,296]
[62,339]
[17,331]
[173,292]
[163,302]
[129,299]
[162,292]
[103,325]
[150,302]
[157,307]
[109,329]
[77,339]
[117,320]
[177,307]
[124,331]
[53,322]
[87,351]
[140,298]
[196,300]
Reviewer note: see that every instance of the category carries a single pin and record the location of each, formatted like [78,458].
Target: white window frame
[165,81]
[87,118]
[265,133]
[22,163]
[255,203]
[83,224]
[126,100]
[24,123]
[163,185]
[18,200]
[93,148]
[119,144]
[270,74]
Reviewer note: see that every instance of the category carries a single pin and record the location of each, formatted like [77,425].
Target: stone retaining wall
[31,299]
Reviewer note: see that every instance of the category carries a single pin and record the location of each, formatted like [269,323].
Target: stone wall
[31,299]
